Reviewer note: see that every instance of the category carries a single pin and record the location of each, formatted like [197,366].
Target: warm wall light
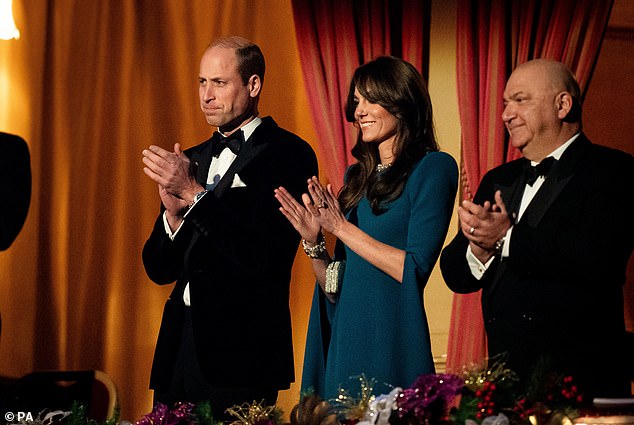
[8,30]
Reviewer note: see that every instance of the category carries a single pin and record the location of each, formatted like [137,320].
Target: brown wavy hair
[399,88]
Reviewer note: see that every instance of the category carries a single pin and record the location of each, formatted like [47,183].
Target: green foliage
[467,409]
[78,416]
[203,414]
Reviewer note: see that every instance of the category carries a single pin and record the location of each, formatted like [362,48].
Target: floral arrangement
[476,396]
[200,414]
[180,414]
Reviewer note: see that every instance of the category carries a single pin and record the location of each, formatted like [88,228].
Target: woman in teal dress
[390,220]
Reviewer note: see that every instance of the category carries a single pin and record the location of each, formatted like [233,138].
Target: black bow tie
[233,142]
[541,169]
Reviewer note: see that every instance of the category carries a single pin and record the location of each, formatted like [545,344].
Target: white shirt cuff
[477,268]
[507,243]
[186,296]
[168,230]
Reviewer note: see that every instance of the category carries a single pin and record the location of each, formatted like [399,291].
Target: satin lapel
[202,160]
[563,171]
[250,150]
[512,192]
[512,197]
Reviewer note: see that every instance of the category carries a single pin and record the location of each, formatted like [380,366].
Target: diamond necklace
[382,167]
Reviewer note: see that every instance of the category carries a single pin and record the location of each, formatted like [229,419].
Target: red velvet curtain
[335,37]
[493,37]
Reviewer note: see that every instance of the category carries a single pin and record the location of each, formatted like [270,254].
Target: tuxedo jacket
[236,250]
[15,174]
[559,293]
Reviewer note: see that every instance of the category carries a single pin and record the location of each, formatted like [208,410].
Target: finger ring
[322,206]
[471,230]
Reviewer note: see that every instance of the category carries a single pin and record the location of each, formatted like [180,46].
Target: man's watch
[197,197]
[499,244]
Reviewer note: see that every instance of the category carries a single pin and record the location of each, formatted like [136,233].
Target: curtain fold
[334,38]
[326,37]
[493,37]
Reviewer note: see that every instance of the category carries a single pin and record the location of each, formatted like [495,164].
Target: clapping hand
[484,225]
[302,219]
[324,206]
[320,210]
[172,172]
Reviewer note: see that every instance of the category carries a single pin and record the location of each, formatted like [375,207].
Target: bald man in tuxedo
[547,239]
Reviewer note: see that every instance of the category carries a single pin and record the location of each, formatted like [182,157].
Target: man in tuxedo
[226,329]
[549,245]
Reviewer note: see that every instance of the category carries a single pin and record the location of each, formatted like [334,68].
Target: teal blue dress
[378,326]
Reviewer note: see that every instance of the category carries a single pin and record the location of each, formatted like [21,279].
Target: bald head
[542,109]
[556,76]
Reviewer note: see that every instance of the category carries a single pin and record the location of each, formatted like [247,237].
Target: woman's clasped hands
[321,210]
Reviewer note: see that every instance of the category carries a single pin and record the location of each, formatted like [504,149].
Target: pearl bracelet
[314,251]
